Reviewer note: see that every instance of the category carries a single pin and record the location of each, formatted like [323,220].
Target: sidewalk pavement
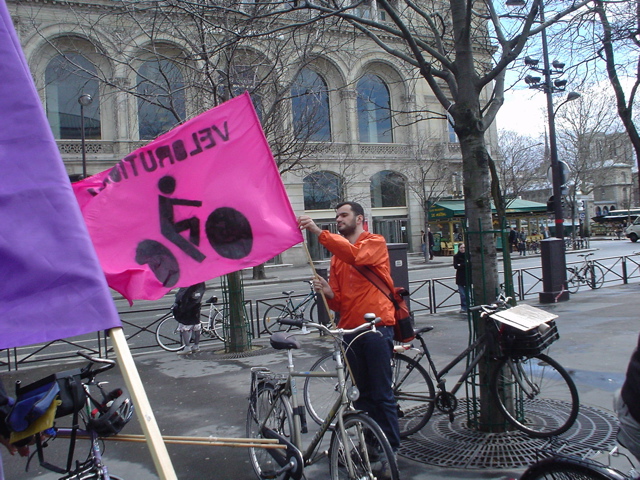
[206,394]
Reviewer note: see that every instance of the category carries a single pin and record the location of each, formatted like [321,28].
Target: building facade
[345,120]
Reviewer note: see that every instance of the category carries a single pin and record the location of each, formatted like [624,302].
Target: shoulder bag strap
[378,282]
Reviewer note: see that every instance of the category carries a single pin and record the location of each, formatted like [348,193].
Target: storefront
[447,217]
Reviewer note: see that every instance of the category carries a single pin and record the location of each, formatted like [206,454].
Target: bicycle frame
[480,344]
[289,389]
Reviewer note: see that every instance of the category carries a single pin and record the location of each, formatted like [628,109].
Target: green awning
[444,209]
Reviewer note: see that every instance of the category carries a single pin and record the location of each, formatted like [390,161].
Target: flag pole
[315,274]
[145,415]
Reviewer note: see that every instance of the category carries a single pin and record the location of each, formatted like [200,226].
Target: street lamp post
[84,100]
[552,251]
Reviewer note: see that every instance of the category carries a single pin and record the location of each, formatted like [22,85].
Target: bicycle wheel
[167,334]
[271,317]
[414,392]
[573,282]
[595,276]
[568,468]
[276,410]
[321,393]
[367,447]
[536,395]
[217,324]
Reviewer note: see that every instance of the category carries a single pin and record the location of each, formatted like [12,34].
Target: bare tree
[584,126]
[428,174]
[521,163]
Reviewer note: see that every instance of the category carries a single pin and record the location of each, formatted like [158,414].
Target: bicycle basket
[516,342]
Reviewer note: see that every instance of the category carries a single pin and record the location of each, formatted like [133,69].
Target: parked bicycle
[571,467]
[589,272]
[358,448]
[211,324]
[523,378]
[102,416]
[275,313]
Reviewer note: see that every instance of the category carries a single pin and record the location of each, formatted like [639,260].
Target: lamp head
[560,83]
[572,96]
[531,80]
[515,3]
[557,65]
[85,99]
[531,62]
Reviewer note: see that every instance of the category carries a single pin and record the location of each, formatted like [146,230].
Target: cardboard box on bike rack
[71,390]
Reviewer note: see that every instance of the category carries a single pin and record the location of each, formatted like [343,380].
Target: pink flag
[51,284]
[200,201]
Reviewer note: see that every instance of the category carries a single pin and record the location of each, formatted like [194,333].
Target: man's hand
[305,223]
[321,285]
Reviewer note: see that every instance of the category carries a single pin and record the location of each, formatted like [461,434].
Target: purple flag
[51,284]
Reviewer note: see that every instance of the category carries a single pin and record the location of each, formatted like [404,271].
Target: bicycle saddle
[284,341]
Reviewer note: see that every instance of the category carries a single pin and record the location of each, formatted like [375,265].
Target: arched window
[67,77]
[605,211]
[598,211]
[161,101]
[388,189]
[374,110]
[322,190]
[310,105]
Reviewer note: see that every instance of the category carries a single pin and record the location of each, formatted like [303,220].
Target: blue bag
[31,404]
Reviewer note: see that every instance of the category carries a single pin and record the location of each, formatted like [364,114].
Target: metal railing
[427,297]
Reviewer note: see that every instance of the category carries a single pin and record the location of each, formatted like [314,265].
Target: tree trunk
[259,272]
[238,339]
[482,249]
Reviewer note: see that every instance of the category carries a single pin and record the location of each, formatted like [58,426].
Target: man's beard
[347,229]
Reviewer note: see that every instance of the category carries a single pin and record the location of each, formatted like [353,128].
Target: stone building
[345,120]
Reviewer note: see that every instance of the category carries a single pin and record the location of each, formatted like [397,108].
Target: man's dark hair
[355,207]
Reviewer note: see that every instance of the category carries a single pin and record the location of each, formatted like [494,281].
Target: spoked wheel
[536,395]
[279,418]
[321,393]
[569,468]
[271,317]
[573,282]
[414,392]
[595,276]
[366,445]
[167,334]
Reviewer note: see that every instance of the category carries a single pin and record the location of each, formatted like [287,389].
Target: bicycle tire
[368,448]
[548,385]
[595,276]
[569,468]
[321,393]
[217,325]
[414,392]
[280,420]
[573,282]
[271,317]
[167,334]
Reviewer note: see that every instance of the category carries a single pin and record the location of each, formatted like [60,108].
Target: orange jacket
[354,294]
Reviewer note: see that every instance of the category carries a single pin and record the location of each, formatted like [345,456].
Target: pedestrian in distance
[352,295]
[627,406]
[513,239]
[522,243]
[460,265]
[431,242]
[423,244]
[186,310]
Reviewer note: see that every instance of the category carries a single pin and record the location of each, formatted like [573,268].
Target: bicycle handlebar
[501,302]
[297,322]
[87,372]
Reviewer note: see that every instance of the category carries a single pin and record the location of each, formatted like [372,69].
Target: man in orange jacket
[350,294]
